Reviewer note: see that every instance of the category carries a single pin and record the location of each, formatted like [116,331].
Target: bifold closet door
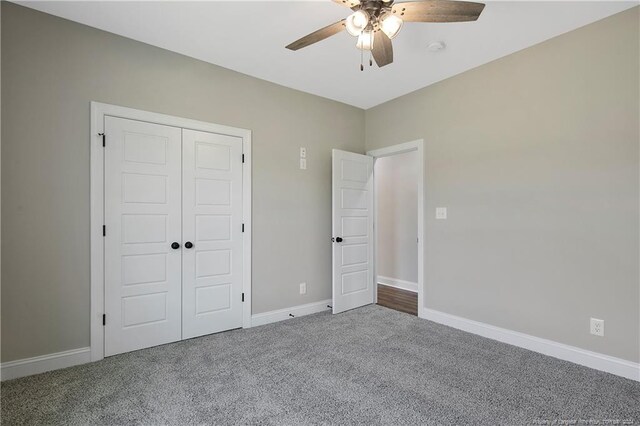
[212,233]
[143,218]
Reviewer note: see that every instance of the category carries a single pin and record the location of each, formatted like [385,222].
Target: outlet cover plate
[597,327]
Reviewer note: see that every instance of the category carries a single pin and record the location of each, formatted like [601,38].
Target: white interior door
[352,202]
[143,219]
[212,215]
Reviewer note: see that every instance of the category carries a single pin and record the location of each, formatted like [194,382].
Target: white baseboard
[394,282]
[620,367]
[609,364]
[283,314]
[40,364]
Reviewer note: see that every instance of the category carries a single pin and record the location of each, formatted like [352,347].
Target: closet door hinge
[104,139]
[243,297]
[104,319]
[243,158]
[104,230]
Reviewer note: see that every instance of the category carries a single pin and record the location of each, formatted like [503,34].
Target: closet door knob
[339,239]
[175,245]
[188,244]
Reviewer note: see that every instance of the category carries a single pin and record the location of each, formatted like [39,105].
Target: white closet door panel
[212,222]
[142,217]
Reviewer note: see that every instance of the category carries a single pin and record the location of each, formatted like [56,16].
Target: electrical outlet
[597,327]
[303,152]
[303,164]
[441,212]
[303,288]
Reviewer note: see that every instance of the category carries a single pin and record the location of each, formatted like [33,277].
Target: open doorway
[396,194]
[398,183]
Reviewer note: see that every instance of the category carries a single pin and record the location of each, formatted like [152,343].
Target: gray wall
[536,157]
[396,179]
[51,70]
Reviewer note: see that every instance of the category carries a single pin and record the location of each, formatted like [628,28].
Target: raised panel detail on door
[212,212]
[354,199]
[213,227]
[145,148]
[144,188]
[144,228]
[144,309]
[213,156]
[355,254]
[210,263]
[212,192]
[143,185]
[144,268]
[213,298]
[354,226]
[354,281]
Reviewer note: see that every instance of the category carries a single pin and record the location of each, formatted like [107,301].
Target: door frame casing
[418,147]
[98,112]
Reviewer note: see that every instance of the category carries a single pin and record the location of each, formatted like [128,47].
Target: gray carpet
[368,366]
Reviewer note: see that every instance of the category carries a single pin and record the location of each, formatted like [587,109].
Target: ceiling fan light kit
[376,22]
[390,24]
[357,22]
[365,40]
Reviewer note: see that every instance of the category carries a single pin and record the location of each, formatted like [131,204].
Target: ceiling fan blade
[317,36]
[348,3]
[382,49]
[438,11]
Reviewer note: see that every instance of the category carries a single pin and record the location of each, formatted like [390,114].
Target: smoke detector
[436,46]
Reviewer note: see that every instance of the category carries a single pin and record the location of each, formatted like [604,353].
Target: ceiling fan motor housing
[375,8]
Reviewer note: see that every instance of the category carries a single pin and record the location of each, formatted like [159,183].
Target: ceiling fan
[376,22]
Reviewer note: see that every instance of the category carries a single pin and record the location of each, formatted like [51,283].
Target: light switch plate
[303,164]
[303,152]
[441,212]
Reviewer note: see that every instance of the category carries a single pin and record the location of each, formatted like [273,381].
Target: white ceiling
[249,37]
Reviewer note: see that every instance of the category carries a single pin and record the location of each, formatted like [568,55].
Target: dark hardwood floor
[400,300]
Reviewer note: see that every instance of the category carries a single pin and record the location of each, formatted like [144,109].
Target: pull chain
[361,59]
